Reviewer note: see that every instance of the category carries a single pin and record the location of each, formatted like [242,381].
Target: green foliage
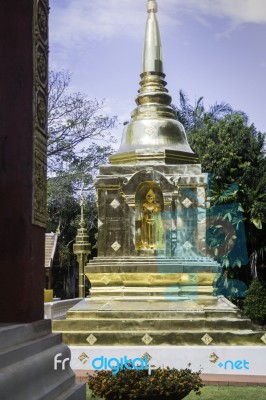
[233,152]
[229,148]
[64,217]
[230,285]
[133,384]
[225,235]
[194,117]
[79,141]
[74,121]
[255,302]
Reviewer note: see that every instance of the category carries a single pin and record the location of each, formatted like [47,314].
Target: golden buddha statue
[150,221]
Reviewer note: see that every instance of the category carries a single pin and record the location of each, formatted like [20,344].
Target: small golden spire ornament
[82,247]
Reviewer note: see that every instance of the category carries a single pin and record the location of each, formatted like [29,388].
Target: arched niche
[149,226]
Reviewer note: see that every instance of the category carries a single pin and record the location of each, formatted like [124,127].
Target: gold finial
[152,6]
[81,203]
[152,55]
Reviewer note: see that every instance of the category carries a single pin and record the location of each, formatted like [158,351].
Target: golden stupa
[152,281]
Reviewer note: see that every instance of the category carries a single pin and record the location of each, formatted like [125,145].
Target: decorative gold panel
[207,339]
[263,338]
[91,339]
[147,339]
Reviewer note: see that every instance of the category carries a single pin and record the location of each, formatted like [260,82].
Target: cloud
[73,21]
[237,11]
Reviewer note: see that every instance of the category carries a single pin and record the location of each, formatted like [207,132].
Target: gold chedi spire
[153,134]
[152,56]
[82,247]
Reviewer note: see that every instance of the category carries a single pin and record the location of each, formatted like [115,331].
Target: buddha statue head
[150,196]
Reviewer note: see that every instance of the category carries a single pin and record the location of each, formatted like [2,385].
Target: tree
[232,151]
[79,141]
[74,121]
[255,302]
[194,117]
[229,148]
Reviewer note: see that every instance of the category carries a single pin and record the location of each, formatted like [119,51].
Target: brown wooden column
[23,132]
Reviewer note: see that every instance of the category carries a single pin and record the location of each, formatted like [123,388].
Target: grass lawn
[230,393]
[221,393]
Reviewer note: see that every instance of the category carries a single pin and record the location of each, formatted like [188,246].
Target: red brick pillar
[23,133]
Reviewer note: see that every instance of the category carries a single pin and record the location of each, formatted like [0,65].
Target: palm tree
[193,117]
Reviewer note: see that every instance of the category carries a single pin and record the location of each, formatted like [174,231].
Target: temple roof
[50,249]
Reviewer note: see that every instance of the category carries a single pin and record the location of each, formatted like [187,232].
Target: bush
[162,384]
[255,302]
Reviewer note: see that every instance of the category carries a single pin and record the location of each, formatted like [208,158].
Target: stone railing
[58,309]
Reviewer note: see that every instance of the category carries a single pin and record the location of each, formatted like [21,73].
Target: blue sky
[211,48]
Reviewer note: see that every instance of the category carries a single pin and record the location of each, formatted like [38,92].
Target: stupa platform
[145,320]
[152,276]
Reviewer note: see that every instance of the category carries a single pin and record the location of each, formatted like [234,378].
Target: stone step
[141,324]
[27,367]
[13,334]
[152,264]
[143,267]
[152,307]
[156,303]
[152,291]
[21,351]
[162,338]
[151,260]
[150,314]
[24,379]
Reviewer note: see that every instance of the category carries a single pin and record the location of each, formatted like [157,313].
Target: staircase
[27,364]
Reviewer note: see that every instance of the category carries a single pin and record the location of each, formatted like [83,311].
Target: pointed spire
[152,6]
[82,247]
[152,56]
[81,203]
[153,134]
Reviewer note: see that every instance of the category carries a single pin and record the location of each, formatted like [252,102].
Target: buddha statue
[151,227]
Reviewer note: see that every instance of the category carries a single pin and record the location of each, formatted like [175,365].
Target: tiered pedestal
[157,302]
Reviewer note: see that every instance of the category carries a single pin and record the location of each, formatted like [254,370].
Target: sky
[211,48]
